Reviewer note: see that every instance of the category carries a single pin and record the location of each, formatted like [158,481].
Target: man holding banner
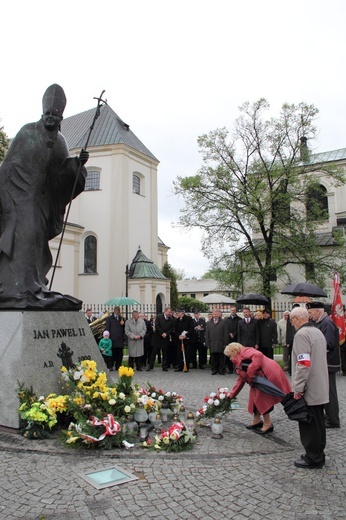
[338,316]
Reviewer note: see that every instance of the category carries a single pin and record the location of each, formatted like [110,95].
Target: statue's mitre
[54,100]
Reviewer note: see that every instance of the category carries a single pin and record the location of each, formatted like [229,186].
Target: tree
[250,197]
[168,271]
[191,304]
[4,143]
[179,274]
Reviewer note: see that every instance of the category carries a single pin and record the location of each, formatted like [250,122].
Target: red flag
[338,315]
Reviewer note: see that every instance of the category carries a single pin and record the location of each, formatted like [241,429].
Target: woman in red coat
[259,402]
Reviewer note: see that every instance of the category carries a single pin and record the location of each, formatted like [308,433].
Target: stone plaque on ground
[30,342]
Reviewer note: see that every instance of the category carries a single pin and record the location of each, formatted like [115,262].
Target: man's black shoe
[202,367]
[178,370]
[301,463]
[330,425]
[149,368]
[165,369]
[214,372]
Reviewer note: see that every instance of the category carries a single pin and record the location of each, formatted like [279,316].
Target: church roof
[142,267]
[109,129]
[331,156]
[322,239]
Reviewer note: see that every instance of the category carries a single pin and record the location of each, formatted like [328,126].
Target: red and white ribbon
[112,427]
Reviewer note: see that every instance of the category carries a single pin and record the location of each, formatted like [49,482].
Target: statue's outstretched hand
[83,157]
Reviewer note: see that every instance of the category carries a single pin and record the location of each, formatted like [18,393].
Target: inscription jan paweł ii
[58,333]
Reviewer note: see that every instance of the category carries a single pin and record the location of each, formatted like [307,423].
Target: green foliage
[168,271]
[190,304]
[4,144]
[250,198]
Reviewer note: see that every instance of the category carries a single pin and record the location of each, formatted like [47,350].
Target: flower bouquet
[92,395]
[165,399]
[216,404]
[39,414]
[176,438]
[99,408]
[125,375]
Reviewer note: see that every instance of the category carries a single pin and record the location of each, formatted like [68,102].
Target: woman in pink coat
[259,364]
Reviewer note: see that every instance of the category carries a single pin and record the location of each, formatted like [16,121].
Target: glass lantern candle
[143,432]
[141,415]
[131,427]
[152,416]
[158,423]
[164,414]
[182,413]
[175,407]
[217,429]
[190,422]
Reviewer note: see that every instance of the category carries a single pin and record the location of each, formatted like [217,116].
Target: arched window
[136,184]
[92,182]
[90,254]
[317,203]
[159,305]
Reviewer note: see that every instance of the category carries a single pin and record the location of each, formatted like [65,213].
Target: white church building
[114,221]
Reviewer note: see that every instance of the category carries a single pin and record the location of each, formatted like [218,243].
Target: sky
[174,71]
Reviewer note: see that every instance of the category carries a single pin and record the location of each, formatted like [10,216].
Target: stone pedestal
[30,342]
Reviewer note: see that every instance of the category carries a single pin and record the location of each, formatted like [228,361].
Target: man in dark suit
[198,342]
[164,326]
[232,327]
[216,338]
[268,334]
[184,330]
[115,325]
[247,332]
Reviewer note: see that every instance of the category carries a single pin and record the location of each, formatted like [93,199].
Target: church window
[317,203]
[90,254]
[136,184]
[92,182]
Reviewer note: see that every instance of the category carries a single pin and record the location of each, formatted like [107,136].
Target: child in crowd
[105,345]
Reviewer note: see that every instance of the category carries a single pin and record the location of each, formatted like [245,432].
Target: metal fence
[98,309]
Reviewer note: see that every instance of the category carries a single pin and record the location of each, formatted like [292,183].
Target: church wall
[119,219]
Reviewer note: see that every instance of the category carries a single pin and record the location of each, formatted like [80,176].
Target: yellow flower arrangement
[125,371]
[58,403]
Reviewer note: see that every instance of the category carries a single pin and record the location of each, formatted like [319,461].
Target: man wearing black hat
[326,325]
[268,334]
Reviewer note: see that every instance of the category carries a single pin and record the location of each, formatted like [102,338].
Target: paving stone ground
[241,476]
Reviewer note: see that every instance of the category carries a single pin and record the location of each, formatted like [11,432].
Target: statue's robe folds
[36,182]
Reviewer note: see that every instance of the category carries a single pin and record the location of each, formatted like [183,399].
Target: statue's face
[51,120]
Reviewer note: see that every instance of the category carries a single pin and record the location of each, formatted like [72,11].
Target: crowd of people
[245,345]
